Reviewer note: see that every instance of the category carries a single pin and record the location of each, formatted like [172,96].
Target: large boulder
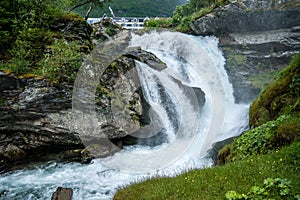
[37,122]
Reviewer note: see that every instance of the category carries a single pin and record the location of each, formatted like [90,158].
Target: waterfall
[190,127]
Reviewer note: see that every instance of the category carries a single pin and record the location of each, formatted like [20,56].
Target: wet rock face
[37,122]
[121,109]
[248,16]
[258,38]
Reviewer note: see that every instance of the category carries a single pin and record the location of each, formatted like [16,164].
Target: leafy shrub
[111,31]
[62,62]
[287,132]
[276,188]
[184,25]
[262,139]
[32,41]
[71,17]
[159,23]
[185,14]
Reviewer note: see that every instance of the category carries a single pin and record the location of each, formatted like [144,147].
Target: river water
[190,128]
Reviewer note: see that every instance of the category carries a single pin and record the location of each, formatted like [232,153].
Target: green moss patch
[279,97]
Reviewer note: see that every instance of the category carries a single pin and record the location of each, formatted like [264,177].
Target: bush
[184,25]
[111,31]
[159,23]
[62,62]
[276,188]
[263,139]
[287,132]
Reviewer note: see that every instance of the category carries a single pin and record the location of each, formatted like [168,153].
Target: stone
[146,57]
[8,82]
[12,152]
[248,16]
[37,122]
[257,39]
[62,194]
[105,29]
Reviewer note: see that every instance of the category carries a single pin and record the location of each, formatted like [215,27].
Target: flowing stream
[189,126]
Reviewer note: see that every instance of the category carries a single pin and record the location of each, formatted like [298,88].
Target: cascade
[189,126]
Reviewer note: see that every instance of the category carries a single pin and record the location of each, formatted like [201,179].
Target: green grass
[214,183]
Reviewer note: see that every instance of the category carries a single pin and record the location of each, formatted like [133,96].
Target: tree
[197,4]
[6,28]
[91,3]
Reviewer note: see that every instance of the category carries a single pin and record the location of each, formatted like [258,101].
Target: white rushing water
[193,62]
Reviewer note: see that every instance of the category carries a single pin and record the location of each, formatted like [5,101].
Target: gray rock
[38,124]
[62,194]
[8,82]
[104,30]
[257,38]
[146,57]
[248,16]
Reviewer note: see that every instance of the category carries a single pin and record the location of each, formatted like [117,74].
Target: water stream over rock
[192,107]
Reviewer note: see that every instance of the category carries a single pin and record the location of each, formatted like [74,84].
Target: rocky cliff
[257,38]
[37,121]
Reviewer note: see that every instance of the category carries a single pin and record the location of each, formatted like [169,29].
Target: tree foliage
[91,3]
[184,14]
[31,33]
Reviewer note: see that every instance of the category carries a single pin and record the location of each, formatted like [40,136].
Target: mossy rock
[287,132]
[278,97]
[29,76]
[224,155]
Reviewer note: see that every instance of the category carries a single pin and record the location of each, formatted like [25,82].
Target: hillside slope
[141,8]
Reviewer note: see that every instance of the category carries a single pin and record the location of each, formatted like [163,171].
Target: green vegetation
[63,62]
[186,13]
[262,80]
[39,38]
[129,8]
[214,183]
[263,163]
[279,97]
[263,139]
[88,5]
[276,188]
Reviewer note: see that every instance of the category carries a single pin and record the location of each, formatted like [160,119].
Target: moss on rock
[275,114]
[279,97]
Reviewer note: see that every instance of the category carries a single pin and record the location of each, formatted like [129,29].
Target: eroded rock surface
[37,122]
[258,38]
